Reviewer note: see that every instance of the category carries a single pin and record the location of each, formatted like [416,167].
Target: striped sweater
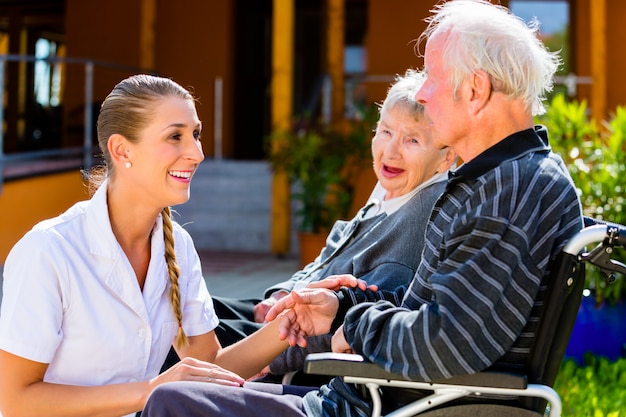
[490,240]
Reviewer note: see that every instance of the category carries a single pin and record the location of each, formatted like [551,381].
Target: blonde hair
[126,111]
[173,272]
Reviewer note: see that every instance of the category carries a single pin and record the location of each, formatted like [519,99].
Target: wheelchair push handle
[609,236]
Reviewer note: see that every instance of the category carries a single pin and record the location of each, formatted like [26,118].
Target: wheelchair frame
[355,369]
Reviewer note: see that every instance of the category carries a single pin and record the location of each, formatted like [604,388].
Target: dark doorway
[253,63]
[253,77]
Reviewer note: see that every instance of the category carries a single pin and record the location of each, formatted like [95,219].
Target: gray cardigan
[383,250]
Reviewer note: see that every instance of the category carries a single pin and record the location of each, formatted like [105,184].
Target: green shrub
[595,389]
[324,162]
[596,157]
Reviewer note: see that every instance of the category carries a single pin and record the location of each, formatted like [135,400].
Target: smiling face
[167,153]
[404,153]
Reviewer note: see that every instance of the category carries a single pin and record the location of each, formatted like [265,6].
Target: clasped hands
[311,311]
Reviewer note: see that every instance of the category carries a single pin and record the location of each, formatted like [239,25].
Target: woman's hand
[23,391]
[336,282]
[190,369]
[261,309]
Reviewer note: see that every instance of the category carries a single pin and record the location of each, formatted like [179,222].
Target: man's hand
[308,312]
[261,309]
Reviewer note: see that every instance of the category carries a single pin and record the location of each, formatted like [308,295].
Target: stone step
[229,208]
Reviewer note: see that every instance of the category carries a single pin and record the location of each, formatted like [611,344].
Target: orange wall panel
[394,26]
[195,45]
[108,32]
[193,41]
[25,202]
[616,60]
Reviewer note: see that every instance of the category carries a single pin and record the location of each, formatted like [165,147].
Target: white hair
[488,37]
[403,92]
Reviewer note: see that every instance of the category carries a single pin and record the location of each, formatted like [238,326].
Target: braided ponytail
[174,273]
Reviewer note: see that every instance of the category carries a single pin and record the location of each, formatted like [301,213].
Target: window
[553,16]
[47,74]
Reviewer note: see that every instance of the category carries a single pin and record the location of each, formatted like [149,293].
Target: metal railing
[87,148]
[322,92]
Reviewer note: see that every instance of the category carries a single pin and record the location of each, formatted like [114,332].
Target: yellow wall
[23,203]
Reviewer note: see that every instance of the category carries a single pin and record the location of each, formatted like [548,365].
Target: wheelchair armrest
[343,364]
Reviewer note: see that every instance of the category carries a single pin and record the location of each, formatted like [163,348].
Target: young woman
[94,298]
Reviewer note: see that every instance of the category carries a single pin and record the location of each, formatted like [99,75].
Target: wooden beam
[147,35]
[334,16]
[598,60]
[282,109]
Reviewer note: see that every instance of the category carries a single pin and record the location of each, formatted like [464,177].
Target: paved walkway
[243,275]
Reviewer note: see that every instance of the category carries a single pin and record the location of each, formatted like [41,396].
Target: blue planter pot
[600,330]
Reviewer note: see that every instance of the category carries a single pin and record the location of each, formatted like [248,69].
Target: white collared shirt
[380,205]
[71,300]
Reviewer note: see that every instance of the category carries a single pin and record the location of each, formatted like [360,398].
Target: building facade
[252,64]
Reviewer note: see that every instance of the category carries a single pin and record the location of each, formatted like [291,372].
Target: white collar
[102,241]
[380,205]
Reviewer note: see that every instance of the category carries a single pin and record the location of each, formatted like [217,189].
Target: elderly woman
[383,243]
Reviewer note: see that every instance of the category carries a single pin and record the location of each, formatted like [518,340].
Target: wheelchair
[526,392]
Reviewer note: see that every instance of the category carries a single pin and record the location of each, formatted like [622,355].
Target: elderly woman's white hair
[507,49]
[403,92]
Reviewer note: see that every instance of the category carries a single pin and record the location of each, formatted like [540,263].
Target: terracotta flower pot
[311,244]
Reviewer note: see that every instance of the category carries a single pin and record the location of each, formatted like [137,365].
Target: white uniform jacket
[71,299]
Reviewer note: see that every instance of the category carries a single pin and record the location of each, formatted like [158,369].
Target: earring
[128,164]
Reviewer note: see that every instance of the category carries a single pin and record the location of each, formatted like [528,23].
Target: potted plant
[322,163]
